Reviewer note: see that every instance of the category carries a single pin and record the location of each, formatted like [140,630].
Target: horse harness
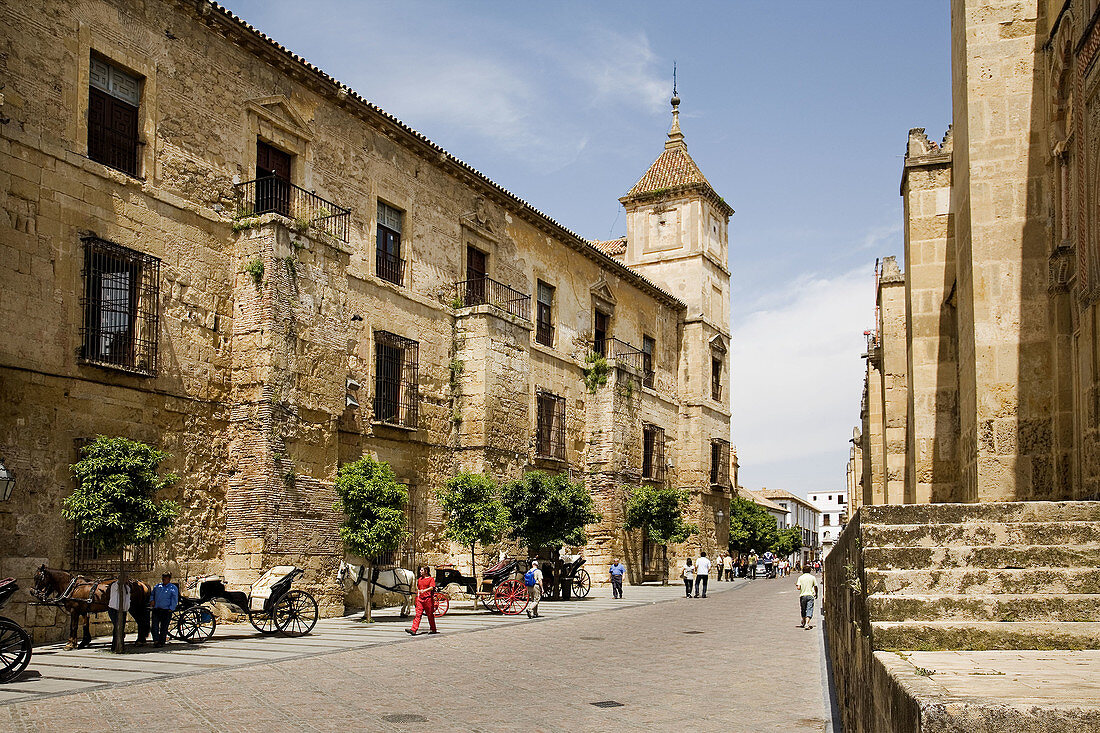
[375,573]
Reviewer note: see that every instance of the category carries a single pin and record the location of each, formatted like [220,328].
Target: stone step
[981,533]
[983,556]
[1017,511]
[1002,607]
[983,581]
[944,635]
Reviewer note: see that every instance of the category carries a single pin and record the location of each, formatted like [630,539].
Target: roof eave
[660,194]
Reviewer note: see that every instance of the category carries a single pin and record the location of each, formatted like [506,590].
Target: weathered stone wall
[250,392]
[893,371]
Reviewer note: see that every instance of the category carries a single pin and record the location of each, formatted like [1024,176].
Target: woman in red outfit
[425,601]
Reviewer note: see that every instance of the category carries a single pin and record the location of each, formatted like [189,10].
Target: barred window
[388,263]
[86,558]
[121,299]
[550,425]
[716,379]
[396,390]
[113,97]
[544,314]
[719,463]
[649,345]
[653,452]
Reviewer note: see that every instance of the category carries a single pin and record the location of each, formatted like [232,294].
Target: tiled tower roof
[610,247]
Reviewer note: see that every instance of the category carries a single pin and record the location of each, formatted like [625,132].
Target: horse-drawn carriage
[502,589]
[272,606]
[15,642]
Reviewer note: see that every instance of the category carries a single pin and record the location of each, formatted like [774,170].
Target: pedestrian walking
[807,592]
[718,567]
[688,574]
[425,601]
[702,573]
[769,564]
[163,599]
[617,571]
[727,565]
[533,580]
[752,564]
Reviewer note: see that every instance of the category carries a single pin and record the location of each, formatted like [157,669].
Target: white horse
[398,581]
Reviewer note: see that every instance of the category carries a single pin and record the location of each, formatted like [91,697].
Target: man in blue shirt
[617,572]
[164,598]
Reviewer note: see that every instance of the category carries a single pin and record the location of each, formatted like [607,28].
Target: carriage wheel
[442,603]
[262,621]
[15,649]
[295,613]
[511,597]
[196,625]
[582,583]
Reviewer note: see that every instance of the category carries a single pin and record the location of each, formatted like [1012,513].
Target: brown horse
[82,597]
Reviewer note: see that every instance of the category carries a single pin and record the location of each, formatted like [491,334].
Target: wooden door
[272,179]
[476,266]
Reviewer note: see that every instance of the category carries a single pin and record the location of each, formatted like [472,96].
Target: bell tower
[677,237]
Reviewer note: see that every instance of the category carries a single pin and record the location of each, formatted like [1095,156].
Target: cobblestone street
[751,669]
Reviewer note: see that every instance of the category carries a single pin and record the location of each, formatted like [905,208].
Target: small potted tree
[659,512]
[373,504]
[472,512]
[114,503]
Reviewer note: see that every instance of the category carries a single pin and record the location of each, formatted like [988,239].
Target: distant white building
[780,513]
[800,513]
[833,506]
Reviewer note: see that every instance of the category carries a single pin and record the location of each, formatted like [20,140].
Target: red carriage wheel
[511,597]
[442,603]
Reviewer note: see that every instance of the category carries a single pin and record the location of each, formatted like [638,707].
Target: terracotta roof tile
[674,167]
[610,247]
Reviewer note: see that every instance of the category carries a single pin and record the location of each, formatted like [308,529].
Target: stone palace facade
[212,246]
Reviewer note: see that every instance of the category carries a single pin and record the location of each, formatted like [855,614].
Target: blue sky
[797,112]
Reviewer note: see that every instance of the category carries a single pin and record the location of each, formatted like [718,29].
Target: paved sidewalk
[734,662]
[54,671]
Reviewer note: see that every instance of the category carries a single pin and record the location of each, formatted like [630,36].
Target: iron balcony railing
[487,291]
[389,268]
[275,195]
[622,353]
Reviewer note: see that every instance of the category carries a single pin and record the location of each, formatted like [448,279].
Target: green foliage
[472,510]
[291,266]
[456,367]
[241,225]
[596,370]
[548,510]
[788,541]
[659,510]
[457,302]
[751,527]
[114,503]
[373,504]
[256,270]
[302,225]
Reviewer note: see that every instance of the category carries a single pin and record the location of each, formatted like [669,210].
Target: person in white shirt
[702,572]
[688,574]
[727,565]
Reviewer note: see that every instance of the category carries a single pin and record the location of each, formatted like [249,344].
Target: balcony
[389,268]
[486,291]
[273,195]
[623,353]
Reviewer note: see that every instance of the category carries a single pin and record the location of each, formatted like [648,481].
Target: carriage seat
[500,567]
[272,583]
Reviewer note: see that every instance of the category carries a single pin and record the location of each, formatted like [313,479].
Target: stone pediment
[602,291]
[718,344]
[278,111]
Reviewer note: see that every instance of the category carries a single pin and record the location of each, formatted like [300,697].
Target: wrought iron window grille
[487,291]
[719,463]
[87,558]
[121,307]
[544,314]
[396,384]
[653,452]
[273,194]
[549,425]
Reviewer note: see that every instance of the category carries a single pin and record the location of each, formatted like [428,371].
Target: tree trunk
[119,643]
[368,595]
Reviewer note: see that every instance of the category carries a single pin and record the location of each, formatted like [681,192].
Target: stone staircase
[982,576]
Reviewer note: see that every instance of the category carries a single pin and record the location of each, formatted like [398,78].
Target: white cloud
[797,381]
